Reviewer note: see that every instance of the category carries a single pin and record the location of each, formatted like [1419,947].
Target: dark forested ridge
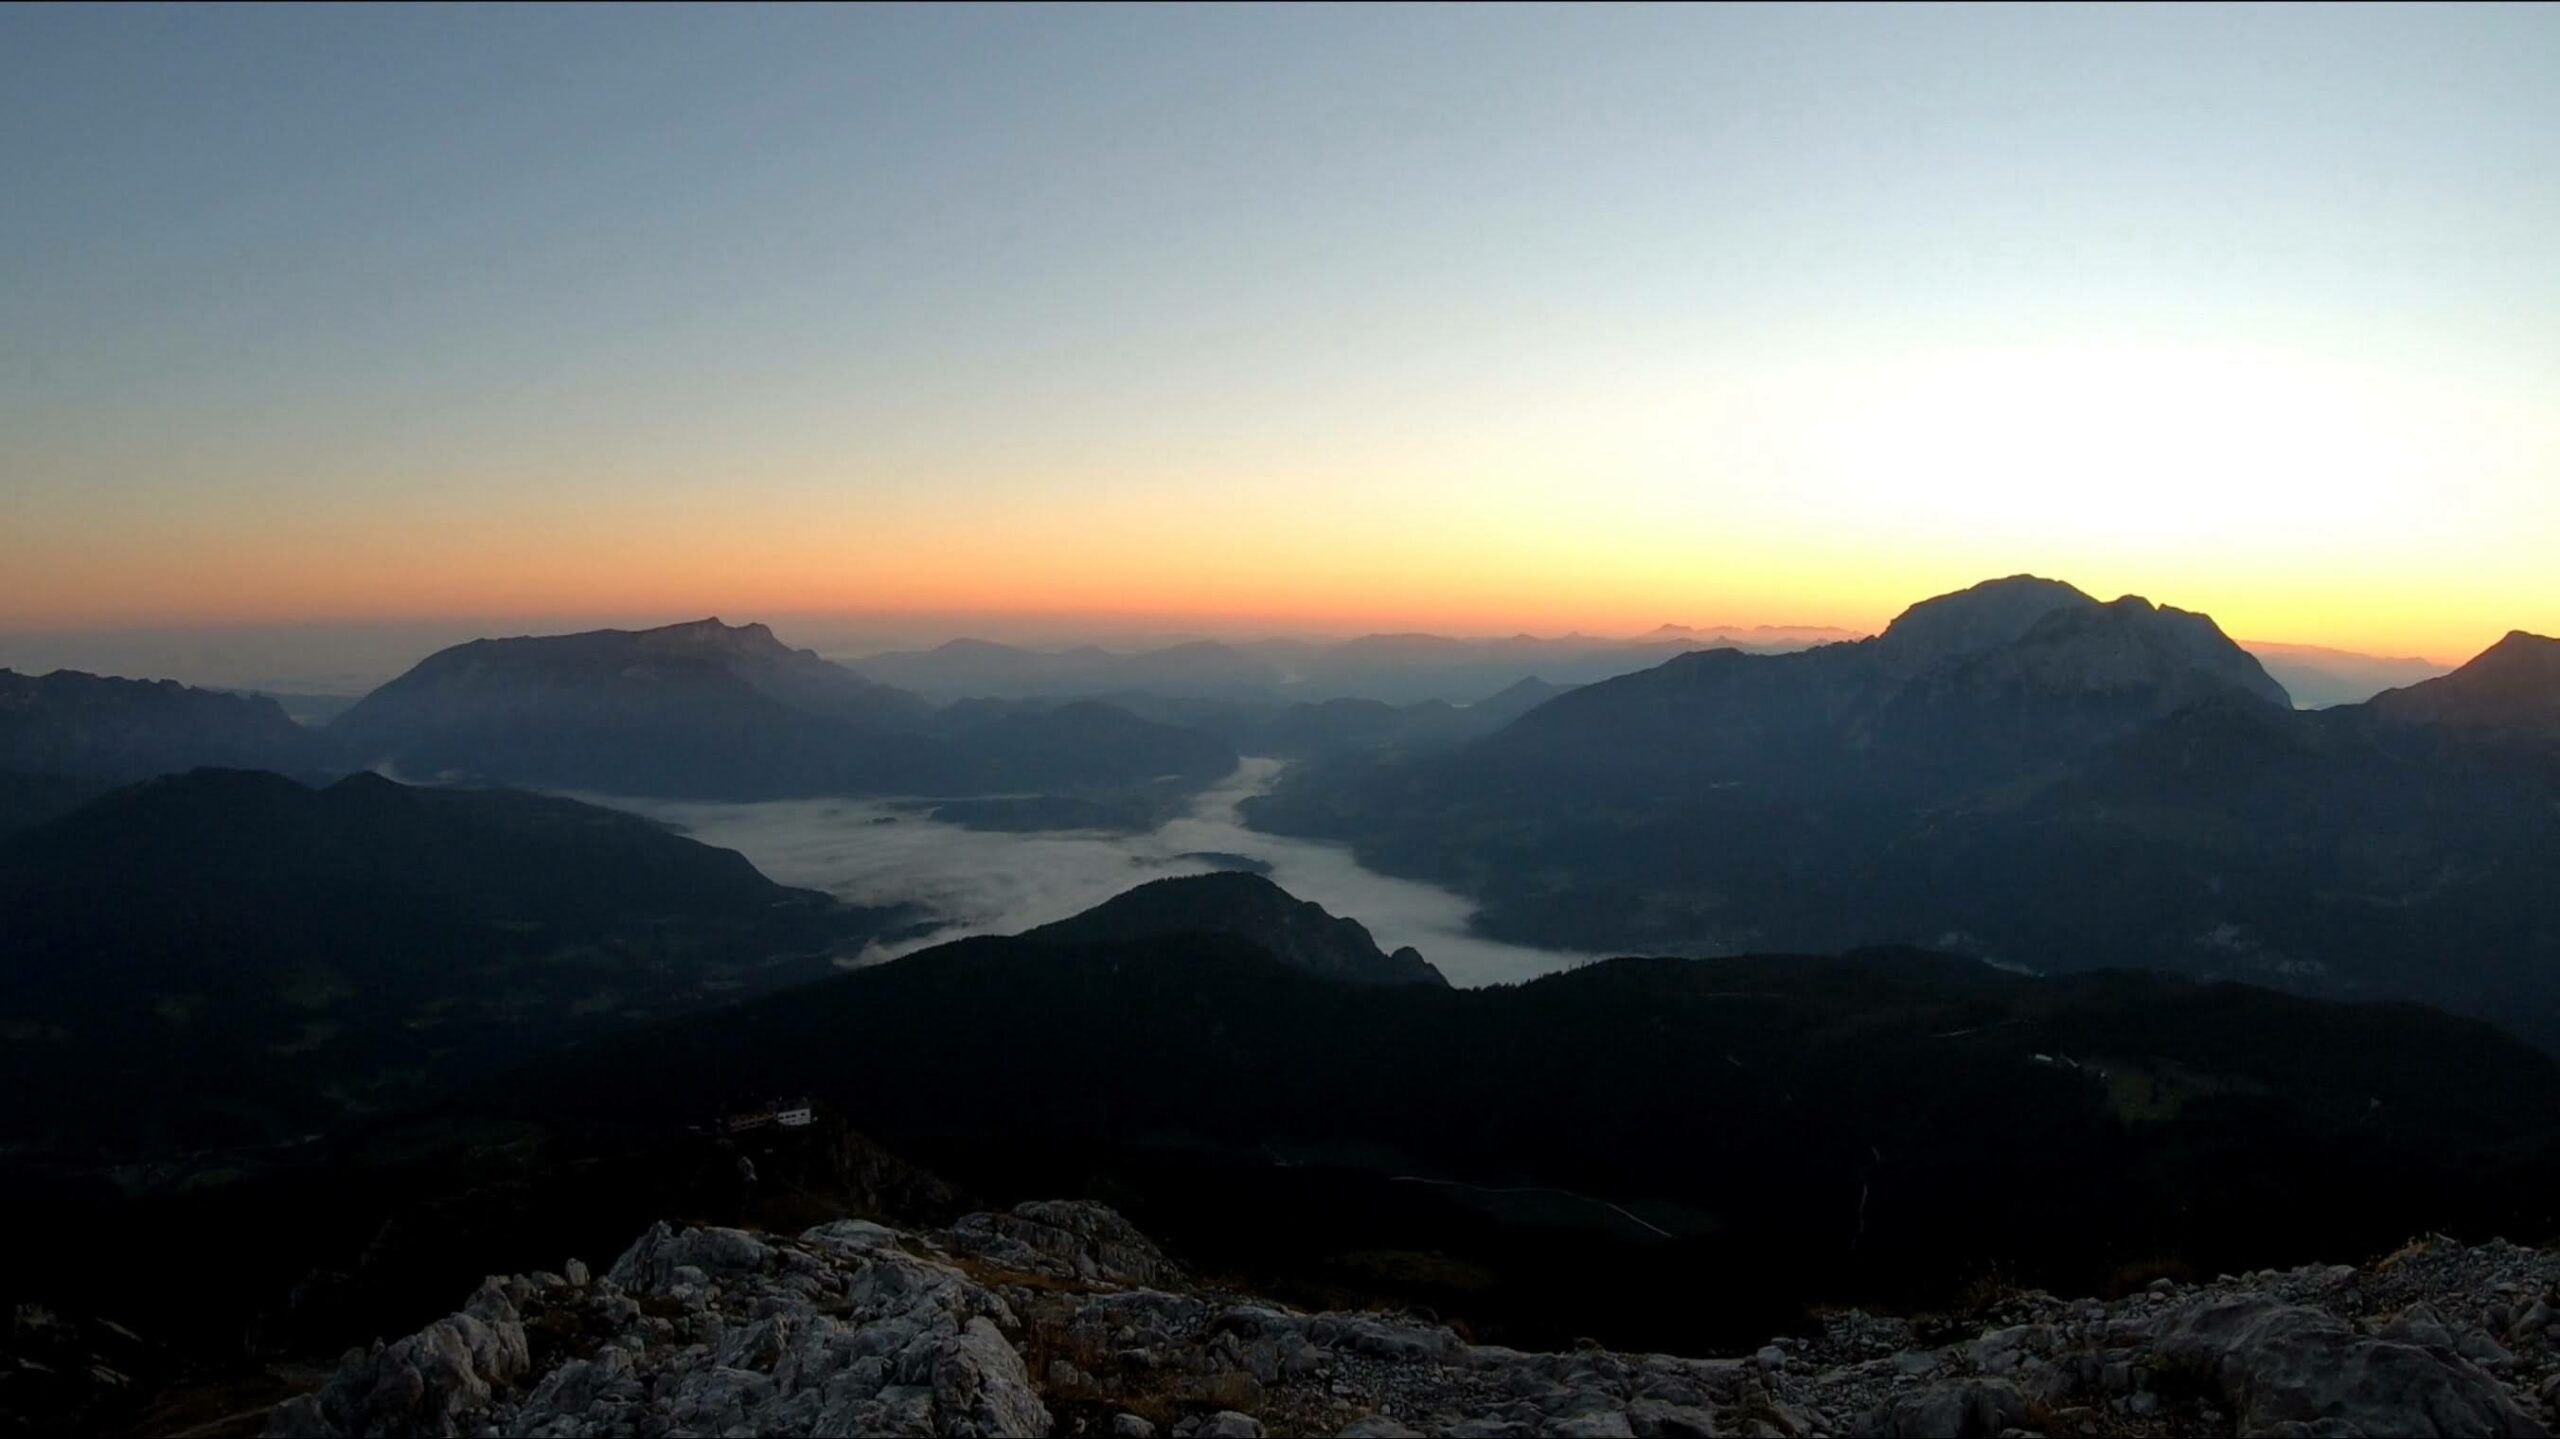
[1297,932]
[1584,1155]
[229,956]
[1870,1124]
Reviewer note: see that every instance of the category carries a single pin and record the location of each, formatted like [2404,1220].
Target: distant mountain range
[2318,677]
[71,723]
[699,711]
[707,710]
[1407,669]
[1395,669]
[2019,771]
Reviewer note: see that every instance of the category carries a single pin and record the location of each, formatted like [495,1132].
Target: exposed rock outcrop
[1059,1318]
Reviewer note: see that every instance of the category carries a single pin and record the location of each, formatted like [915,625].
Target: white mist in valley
[879,852]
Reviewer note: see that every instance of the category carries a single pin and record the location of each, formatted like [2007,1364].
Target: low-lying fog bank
[875,852]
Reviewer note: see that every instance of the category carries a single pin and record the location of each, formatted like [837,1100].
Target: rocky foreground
[1059,1318]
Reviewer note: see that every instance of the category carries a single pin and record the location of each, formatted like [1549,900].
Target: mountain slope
[2015,771]
[2512,687]
[698,710]
[70,723]
[710,711]
[1998,678]
[227,955]
[1815,1124]
[1294,931]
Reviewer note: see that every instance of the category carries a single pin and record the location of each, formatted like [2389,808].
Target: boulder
[1069,1239]
[2277,1364]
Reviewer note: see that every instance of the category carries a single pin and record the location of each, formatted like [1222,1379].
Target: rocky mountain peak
[712,636]
[2131,644]
[2520,658]
[2513,685]
[1980,617]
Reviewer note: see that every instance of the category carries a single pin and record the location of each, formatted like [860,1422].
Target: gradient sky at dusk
[1467,319]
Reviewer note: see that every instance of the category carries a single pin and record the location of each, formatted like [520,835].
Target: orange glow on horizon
[1108,590]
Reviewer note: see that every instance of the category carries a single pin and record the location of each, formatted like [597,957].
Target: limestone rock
[974,1331]
[1068,1239]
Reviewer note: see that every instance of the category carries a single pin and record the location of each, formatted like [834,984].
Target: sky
[1477,320]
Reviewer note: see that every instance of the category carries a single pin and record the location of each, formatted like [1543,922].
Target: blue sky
[1429,313]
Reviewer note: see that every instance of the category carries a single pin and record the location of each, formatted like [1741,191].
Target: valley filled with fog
[883,852]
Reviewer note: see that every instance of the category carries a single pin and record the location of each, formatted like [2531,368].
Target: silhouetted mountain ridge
[2513,686]
[1399,669]
[1298,933]
[2016,771]
[2005,676]
[707,710]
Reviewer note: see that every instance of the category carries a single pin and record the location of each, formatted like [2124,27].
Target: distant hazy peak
[969,645]
[711,640]
[1398,640]
[1760,632]
[711,635]
[81,684]
[71,722]
[714,625]
[1522,694]
[2287,649]
[703,636]
[532,708]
